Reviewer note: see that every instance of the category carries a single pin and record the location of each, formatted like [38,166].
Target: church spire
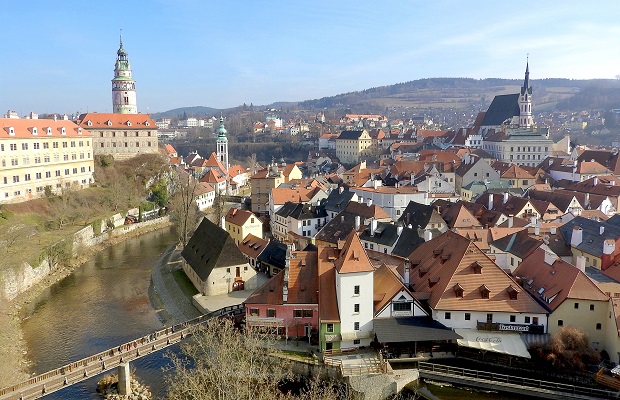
[222,144]
[525,100]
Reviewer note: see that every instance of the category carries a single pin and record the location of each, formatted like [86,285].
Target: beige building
[122,136]
[352,146]
[239,223]
[262,183]
[36,154]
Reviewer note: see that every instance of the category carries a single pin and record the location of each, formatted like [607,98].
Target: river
[103,303]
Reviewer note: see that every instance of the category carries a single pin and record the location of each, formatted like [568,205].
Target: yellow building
[351,146]
[36,154]
[122,136]
[262,183]
[239,223]
[571,298]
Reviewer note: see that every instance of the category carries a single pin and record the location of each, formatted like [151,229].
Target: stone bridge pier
[124,379]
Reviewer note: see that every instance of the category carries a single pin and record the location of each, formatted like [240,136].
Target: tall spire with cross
[123,85]
[222,144]
[525,99]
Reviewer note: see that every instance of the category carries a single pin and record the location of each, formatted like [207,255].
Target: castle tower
[222,144]
[123,85]
[525,101]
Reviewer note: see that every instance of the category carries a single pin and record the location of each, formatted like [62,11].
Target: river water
[103,303]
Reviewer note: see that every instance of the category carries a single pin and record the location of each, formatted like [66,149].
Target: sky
[59,56]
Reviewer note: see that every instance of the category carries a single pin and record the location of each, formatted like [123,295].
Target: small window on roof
[34,130]
[147,123]
[128,123]
[49,130]
[63,131]
[109,123]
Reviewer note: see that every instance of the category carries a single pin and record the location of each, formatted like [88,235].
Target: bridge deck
[513,384]
[107,360]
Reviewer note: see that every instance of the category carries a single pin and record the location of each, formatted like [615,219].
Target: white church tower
[123,85]
[222,145]
[525,101]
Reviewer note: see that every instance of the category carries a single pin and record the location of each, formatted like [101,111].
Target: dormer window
[513,292]
[34,130]
[79,131]
[128,123]
[63,131]
[433,281]
[11,131]
[147,123]
[476,267]
[458,290]
[109,123]
[89,123]
[484,291]
[48,130]
[422,271]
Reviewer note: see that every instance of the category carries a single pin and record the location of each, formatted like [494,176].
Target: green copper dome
[221,131]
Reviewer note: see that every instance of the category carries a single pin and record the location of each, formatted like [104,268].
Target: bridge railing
[506,380]
[125,347]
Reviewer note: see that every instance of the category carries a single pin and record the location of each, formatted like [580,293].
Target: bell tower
[222,144]
[525,100]
[123,85]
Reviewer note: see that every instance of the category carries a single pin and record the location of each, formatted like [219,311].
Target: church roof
[502,107]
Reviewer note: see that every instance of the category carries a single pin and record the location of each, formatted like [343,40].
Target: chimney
[428,235]
[223,222]
[407,270]
[601,230]
[553,230]
[376,183]
[360,199]
[373,226]
[369,202]
[595,181]
[549,258]
[357,222]
[537,230]
[340,189]
[506,197]
[490,207]
[609,246]
[576,237]
[399,230]
[342,218]
[511,221]
[533,221]
[580,263]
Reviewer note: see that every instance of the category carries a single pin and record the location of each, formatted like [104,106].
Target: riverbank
[13,351]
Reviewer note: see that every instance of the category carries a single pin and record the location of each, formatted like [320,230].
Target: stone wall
[14,281]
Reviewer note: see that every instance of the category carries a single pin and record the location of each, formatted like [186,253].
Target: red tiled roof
[116,121]
[352,257]
[238,217]
[23,129]
[252,245]
[328,301]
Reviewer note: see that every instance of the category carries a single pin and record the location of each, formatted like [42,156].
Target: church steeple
[222,144]
[123,85]
[525,100]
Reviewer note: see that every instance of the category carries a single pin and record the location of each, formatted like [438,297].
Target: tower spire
[123,85]
[525,99]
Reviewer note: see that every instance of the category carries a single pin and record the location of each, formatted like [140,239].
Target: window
[489,318]
[24,146]
[448,315]
[591,307]
[297,313]
[402,306]
[527,320]
[307,313]
[535,320]
[513,318]
[356,341]
[599,326]
[271,313]
[576,306]
[38,175]
[560,322]
[13,146]
[356,308]
[356,290]
[64,145]
[356,326]
[36,146]
[467,316]
[330,328]
[254,312]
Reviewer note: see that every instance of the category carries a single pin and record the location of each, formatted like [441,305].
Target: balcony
[510,327]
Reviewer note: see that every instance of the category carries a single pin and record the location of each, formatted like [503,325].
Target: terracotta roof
[23,129]
[552,284]
[213,176]
[116,121]
[430,133]
[203,187]
[281,195]
[169,149]
[252,245]
[516,172]
[239,217]
[386,286]
[352,257]
[448,260]
[328,301]
[213,162]
[288,169]
[591,167]
[365,211]
[604,157]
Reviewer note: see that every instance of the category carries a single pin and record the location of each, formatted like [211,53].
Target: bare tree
[184,189]
[222,363]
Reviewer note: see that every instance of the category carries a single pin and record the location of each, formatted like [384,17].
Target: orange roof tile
[328,301]
[40,129]
[352,257]
[116,121]
[252,245]
[239,217]
[386,285]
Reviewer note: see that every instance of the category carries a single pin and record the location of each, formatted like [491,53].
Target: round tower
[525,101]
[222,144]
[123,85]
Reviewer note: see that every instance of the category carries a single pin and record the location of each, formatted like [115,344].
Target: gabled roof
[252,245]
[352,257]
[213,176]
[365,211]
[274,254]
[592,238]
[502,107]
[385,234]
[117,121]
[608,159]
[328,301]
[213,162]
[408,241]
[350,135]
[552,284]
[238,216]
[456,215]
[559,198]
[281,195]
[211,247]
[519,243]
[416,214]
[448,260]
[386,287]
[338,199]
[23,128]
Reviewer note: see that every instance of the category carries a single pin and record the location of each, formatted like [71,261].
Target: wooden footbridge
[67,375]
[512,384]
